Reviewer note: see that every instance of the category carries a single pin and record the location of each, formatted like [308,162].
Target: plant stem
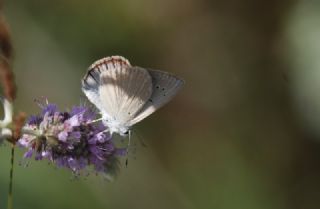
[10,193]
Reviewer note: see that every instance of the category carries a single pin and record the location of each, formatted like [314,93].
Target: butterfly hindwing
[124,91]
[164,87]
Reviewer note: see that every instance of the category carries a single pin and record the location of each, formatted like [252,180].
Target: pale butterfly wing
[91,81]
[126,95]
[164,87]
[124,91]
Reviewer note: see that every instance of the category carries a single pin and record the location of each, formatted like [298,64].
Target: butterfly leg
[128,148]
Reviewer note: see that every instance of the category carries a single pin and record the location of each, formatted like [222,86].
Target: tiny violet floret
[71,139]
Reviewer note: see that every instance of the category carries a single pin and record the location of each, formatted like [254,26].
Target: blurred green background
[244,133]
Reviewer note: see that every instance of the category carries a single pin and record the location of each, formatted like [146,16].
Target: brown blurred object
[6,74]
[19,121]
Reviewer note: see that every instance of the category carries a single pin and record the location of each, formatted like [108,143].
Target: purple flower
[34,120]
[28,154]
[50,108]
[69,139]
[62,136]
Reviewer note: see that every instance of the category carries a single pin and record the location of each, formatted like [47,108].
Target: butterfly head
[116,127]
[122,131]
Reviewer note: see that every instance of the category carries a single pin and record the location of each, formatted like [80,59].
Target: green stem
[10,194]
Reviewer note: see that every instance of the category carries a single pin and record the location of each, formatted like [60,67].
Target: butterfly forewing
[91,81]
[164,87]
[124,91]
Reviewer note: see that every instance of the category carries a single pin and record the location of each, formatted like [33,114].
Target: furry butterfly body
[125,94]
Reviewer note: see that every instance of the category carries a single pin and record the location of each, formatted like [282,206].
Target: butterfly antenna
[99,119]
[128,148]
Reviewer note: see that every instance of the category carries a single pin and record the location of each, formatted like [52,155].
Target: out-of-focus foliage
[243,133]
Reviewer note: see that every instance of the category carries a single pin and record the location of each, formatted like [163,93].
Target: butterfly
[126,94]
